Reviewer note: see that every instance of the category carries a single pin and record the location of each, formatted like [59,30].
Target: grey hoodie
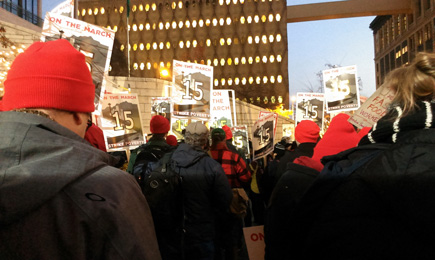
[60,199]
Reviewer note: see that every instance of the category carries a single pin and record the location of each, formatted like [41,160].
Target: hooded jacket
[60,199]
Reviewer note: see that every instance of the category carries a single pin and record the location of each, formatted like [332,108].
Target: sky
[311,45]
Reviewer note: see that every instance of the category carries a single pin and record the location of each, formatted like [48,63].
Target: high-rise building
[398,38]
[244,40]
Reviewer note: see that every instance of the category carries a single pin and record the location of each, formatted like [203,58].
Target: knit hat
[171,140]
[50,75]
[196,134]
[228,133]
[307,132]
[218,132]
[159,125]
[340,136]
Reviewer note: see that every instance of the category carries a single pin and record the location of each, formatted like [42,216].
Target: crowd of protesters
[345,194]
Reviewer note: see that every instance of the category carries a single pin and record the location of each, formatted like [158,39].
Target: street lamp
[164,73]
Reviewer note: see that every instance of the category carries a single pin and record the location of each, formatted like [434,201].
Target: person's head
[307,132]
[196,135]
[217,136]
[415,82]
[159,126]
[171,140]
[228,133]
[52,78]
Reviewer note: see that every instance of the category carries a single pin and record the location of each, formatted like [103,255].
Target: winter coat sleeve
[243,174]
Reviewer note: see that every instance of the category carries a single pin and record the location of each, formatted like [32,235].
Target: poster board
[221,108]
[310,106]
[241,140]
[254,238]
[341,89]
[263,136]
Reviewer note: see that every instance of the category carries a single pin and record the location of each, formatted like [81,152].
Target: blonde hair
[415,82]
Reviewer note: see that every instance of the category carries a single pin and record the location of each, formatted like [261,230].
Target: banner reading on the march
[66,8]
[263,136]
[120,121]
[374,108]
[310,106]
[341,89]
[93,41]
[161,106]
[191,90]
[241,140]
[221,108]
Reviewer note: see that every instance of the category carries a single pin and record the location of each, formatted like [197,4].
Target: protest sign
[310,106]
[341,89]
[161,106]
[254,239]
[241,140]
[221,108]
[263,136]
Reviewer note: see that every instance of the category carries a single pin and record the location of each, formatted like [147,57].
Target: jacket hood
[185,155]
[39,158]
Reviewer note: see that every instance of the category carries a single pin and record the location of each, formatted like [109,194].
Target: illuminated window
[221,21]
[134,47]
[142,66]
[249,19]
[141,7]
[168,64]
[174,24]
[258,80]
[83,12]
[95,11]
[134,27]
[167,25]
[228,2]
[221,2]
[161,26]
[236,81]
[250,60]
[168,45]
[264,79]
[250,39]
[147,7]
[173,5]
[141,46]
[180,24]
[148,46]
[257,59]
[134,8]
[161,45]
[208,42]
[265,59]
[141,27]
[194,23]
[149,65]
[201,23]
[222,41]
[272,79]
[251,80]
[222,62]
[180,4]
[278,17]
[207,22]
[243,60]
[278,37]
[242,20]
[242,1]
[256,18]
[271,38]
[215,62]
[270,17]
[153,6]
[181,44]
[155,65]
[208,62]
[162,64]
[234,1]
[135,66]
[223,82]
[154,45]
[121,9]
[229,61]
[187,24]
[278,58]
[115,28]
[257,39]
[147,26]
[229,41]
[230,82]
[215,21]
[216,82]
[279,78]
[188,44]
[264,39]
[263,18]
[108,27]
[244,81]
[194,43]
[236,61]
[90,11]
[228,20]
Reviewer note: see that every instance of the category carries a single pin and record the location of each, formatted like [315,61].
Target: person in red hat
[171,140]
[60,197]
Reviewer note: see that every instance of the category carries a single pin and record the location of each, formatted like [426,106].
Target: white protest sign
[341,89]
[220,108]
[263,135]
[254,238]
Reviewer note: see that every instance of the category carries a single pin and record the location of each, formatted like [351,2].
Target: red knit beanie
[50,75]
[171,140]
[340,136]
[228,133]
[159,125]
[307,132]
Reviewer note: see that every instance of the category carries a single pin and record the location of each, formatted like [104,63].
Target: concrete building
[244,40]
[397,38]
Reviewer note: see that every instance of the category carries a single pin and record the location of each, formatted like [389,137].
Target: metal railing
[21,12]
